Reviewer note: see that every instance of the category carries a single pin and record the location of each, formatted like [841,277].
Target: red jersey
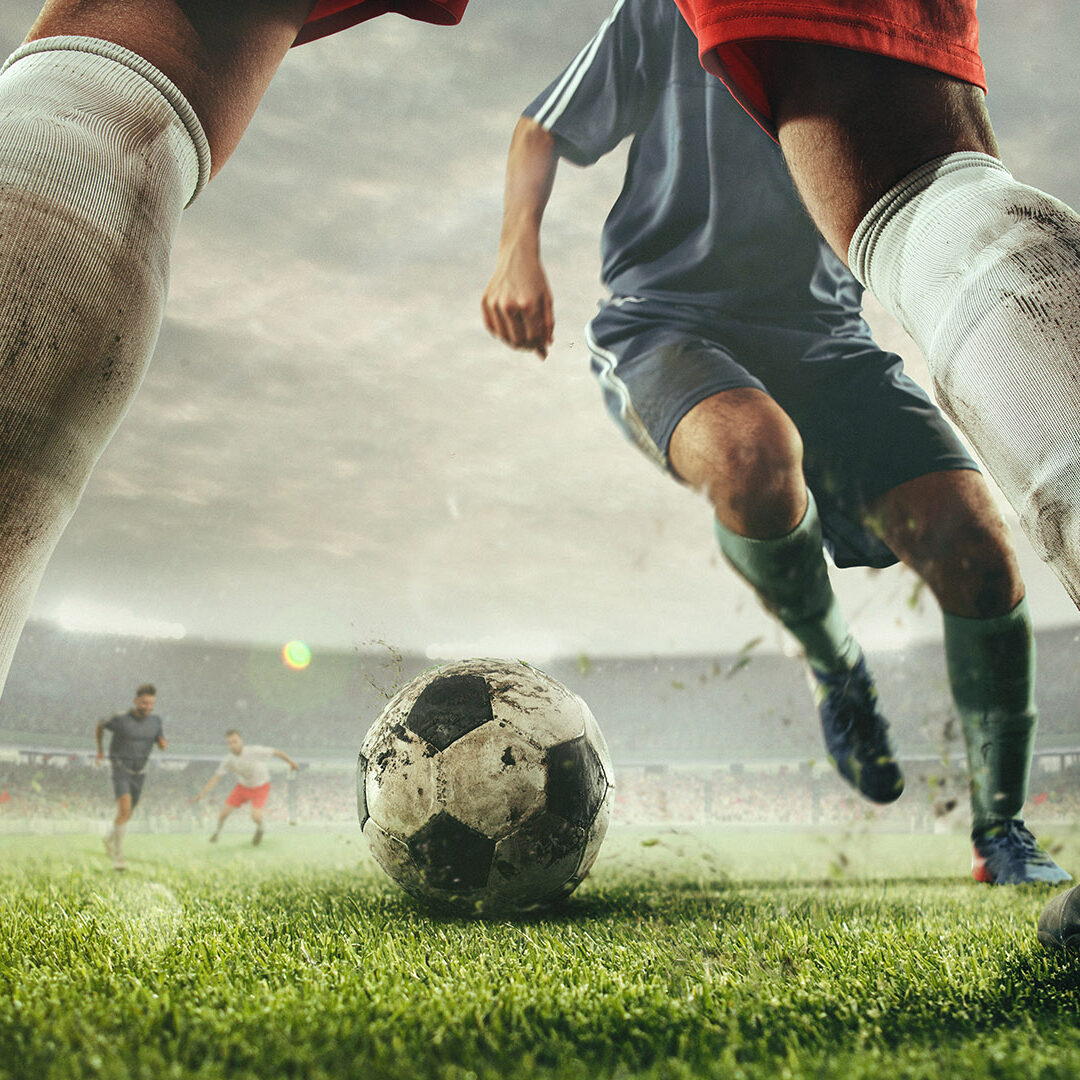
[330,16]
[943,36]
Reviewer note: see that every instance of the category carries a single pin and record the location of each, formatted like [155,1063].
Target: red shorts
[939,34]
[330,16]
[257,795]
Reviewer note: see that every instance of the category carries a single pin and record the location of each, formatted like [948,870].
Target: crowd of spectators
[672,709]
[65,790]
[68,791]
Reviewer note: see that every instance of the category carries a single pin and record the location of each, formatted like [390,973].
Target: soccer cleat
[856,734]
[214,838]
[1007,854]
[119,863]
[257,838]
[1059,923]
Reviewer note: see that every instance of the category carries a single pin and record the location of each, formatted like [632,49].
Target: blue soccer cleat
[1059,923]
[856,734]
[1007,854]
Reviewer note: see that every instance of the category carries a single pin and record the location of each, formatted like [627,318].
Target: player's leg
[131,786]
[110,118]
[744,452]
[121,815]
[898,166]
[688,405]
[945,526]
[678,394]
[221,57]
[259,797]
[233,802]
[223,815]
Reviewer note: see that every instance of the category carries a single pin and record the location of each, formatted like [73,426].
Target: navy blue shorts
[126,782]
[865,425]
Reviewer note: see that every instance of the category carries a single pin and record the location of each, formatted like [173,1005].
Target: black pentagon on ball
[449,707]
[453,857]
[361,789]
[576,781]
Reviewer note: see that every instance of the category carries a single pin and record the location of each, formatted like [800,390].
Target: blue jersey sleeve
[612,83]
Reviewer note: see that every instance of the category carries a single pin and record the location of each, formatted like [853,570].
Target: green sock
[791,580]
[991,666]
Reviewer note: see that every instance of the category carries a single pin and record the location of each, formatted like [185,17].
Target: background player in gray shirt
[732,351]
[135,733]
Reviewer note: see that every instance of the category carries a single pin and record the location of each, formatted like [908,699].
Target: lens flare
[295,655]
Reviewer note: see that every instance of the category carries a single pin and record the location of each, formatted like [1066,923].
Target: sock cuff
[964,624]
[810,521]
[946,167]
[790,577]
[132,61]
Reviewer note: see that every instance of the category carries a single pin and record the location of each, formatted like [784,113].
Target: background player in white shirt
[250,764]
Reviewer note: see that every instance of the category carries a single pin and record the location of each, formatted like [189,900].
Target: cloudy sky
[330,447]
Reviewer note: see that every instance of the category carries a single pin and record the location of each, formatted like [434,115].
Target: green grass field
[685,954]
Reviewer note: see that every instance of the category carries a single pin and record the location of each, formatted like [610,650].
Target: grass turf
[690,953]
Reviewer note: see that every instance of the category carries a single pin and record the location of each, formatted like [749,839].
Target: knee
[757,471]
[946,527]
[757,486]
[972,571]
[745,454]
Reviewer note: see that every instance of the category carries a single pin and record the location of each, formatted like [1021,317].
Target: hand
[517,303]
[99,758]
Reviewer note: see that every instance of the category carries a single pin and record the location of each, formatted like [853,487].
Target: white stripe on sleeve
[563,92]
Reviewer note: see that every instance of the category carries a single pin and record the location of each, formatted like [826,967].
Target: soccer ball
[485,786]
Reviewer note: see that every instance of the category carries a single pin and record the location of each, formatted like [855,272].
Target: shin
[99,153]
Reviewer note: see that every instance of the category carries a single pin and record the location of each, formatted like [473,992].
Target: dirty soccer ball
[485,786]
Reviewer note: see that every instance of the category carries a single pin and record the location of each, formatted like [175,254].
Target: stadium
[746,906]
[681,758]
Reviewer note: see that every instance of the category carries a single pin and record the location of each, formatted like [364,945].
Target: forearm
[530,175]
[517,303]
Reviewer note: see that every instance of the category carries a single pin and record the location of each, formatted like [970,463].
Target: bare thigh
[852,124]
[222,54]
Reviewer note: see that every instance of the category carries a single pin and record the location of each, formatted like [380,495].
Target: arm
[207,786]
[99,730]
[517,302]
[285,757]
